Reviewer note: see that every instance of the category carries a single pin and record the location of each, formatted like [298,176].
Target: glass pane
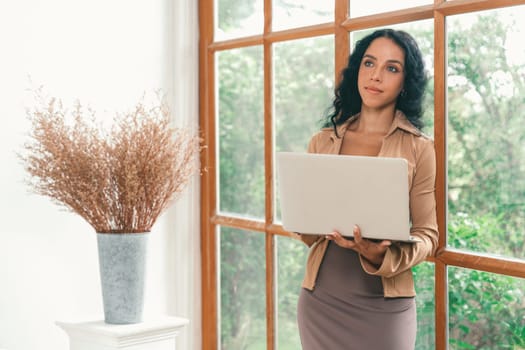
[486,311]
[291,261]
[236,18]
[360,8]
[423,33]
[486,147]
[240,128]
[299,13]
[303,88]
[424,282]
[242,290]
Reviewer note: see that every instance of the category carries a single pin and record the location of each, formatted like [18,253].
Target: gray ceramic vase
[122,262]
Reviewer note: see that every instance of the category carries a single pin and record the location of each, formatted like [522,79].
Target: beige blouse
[405,141]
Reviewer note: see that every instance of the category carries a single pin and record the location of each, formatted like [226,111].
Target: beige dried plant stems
[119,181]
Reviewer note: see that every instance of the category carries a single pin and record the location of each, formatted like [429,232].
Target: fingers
[359,243]
[336,236]
[385,243]
[358,238]
[339,240]
[362,244]
[357,235]
[332,236]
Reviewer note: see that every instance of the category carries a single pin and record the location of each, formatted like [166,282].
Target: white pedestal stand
[158,334]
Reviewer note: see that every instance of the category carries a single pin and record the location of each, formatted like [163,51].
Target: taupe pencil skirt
[347,310]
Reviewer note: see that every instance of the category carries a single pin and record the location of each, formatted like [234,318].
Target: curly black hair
[347,101]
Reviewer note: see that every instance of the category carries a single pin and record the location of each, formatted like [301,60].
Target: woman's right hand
[372,251]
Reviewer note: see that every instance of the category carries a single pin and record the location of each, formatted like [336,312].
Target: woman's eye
[393,69]
[368,63]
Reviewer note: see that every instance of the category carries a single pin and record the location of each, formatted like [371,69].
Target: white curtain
[183,248]
[106,54]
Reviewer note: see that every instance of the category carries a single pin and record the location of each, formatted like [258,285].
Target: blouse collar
[400,122]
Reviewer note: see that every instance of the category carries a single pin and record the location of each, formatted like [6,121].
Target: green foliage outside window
[486,146]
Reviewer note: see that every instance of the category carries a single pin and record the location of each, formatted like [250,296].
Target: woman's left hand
[370,250]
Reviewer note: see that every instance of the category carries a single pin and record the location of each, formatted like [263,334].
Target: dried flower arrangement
[119,180]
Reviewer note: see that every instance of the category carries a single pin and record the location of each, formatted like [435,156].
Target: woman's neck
[375,121]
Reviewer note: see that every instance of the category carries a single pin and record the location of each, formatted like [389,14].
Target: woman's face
[381,74]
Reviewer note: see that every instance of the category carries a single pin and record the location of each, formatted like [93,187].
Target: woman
[359,294]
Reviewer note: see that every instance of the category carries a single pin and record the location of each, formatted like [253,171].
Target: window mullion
[441,288]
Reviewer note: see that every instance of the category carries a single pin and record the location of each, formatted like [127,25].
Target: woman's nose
[376,75]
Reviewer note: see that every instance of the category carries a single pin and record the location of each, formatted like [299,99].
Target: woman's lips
[373,90]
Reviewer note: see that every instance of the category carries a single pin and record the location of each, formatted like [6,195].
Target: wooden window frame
[340,28]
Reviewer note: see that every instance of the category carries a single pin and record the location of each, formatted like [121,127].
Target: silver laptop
[320,193]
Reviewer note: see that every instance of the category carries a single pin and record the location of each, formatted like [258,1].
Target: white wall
[105,53]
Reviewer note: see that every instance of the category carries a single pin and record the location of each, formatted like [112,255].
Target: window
[486,155]
[268,70]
